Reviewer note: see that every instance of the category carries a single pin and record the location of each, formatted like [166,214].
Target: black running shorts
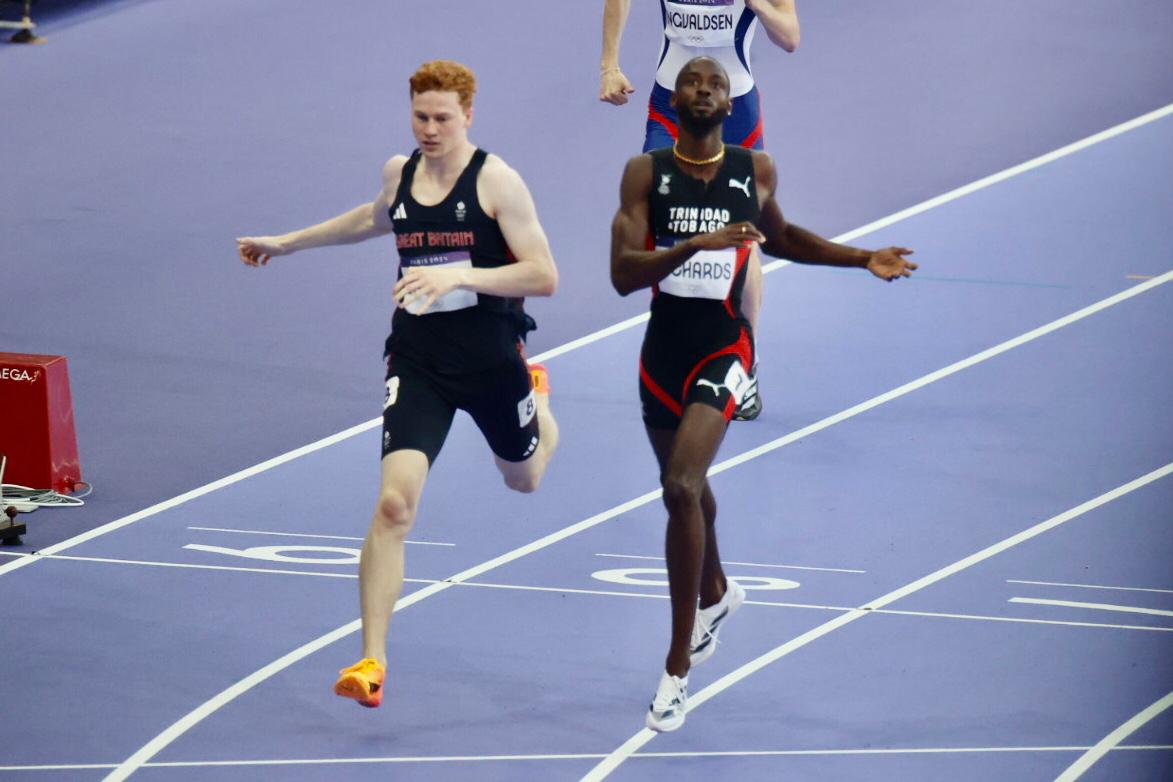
[672,376]
[419,405]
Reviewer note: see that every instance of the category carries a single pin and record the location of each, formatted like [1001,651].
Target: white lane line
[875,225]
[565,590]
[611,330]
[1092,606]
[208,488]
[1076,769]
[177,729]
[974,617]
[305,535]
[599,592]
[933,377]
[193,566]
[193,718]
[1025,620]
[629,747]
[1005,174]
[746,564]
[584,756]
[1089,586]
[811,606]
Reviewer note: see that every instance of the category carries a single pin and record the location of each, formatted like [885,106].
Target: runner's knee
[681,492]
[394,512]
[526,483]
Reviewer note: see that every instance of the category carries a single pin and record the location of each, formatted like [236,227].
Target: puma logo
[716,388]
[743,187]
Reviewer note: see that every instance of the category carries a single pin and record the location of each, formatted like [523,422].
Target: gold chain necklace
[706,162]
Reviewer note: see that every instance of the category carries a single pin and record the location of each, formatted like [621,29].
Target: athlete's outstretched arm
[613,85]
[504,197]
[780,20]
[633,266]
[784,239]
[363,222]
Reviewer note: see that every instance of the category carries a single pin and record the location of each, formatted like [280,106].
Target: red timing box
[36,422]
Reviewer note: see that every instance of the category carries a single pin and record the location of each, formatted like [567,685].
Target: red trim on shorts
[658,392]
[730,408]
[668,124]
[753,136]
[740,348]
[756,133]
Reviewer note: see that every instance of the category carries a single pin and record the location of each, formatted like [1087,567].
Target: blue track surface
[146,135]
[187,368]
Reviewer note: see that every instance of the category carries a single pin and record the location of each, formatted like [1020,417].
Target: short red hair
[445,76]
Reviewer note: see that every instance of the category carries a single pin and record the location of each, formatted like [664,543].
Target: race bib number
[706,275]
[450,301]
[526,409]
[737,381]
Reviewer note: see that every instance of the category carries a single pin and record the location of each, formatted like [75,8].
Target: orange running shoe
[540,378]
[362,681]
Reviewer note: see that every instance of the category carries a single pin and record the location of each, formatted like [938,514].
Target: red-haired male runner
[470,248]
[704,203]
[723,30]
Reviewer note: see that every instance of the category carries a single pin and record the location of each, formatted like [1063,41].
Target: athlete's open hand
[614,87]
[257,250]
[889,263]
[733,235]
[431,284]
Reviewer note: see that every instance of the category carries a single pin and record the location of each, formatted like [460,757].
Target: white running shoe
[710,620]
[751,402]
[666,713]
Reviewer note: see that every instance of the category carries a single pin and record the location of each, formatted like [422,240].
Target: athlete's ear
[468,117]
[672,99]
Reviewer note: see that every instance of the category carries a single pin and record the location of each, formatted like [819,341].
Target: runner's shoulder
[393,169]
[763,164]
[639,166]
[499,175]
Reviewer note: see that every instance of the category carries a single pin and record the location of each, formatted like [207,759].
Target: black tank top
[463,331]
[700,302]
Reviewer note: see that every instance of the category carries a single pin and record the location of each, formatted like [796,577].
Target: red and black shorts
[673,376]
[742,128]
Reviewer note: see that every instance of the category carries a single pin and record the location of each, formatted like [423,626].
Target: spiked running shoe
[709,622]
[540,378]
[363,682]
[666,712]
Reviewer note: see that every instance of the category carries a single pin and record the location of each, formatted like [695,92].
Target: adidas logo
[400,213]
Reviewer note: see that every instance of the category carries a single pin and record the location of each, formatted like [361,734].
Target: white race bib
[458,299]
[706,275]
[705,23]
[721,29]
